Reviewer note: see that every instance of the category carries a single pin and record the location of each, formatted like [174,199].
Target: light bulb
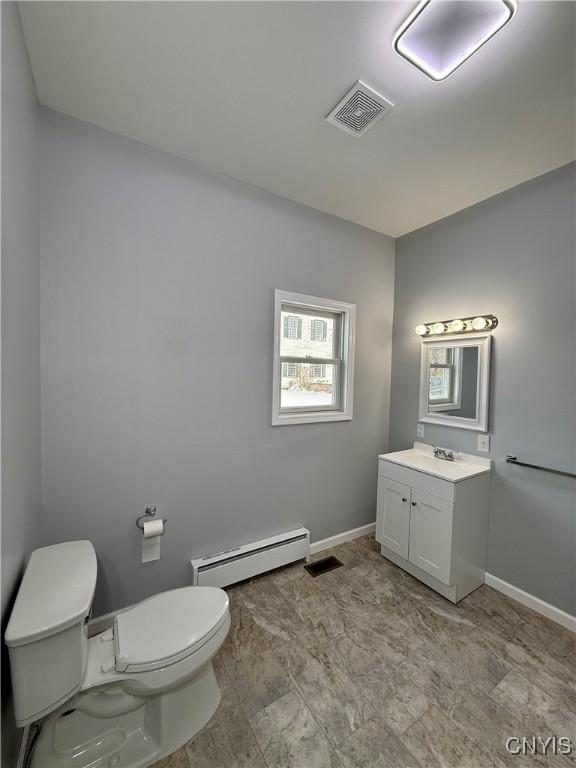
[479,323]
[438,328]
[456,326]
[421,330]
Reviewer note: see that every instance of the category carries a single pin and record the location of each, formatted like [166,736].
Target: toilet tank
[46,634]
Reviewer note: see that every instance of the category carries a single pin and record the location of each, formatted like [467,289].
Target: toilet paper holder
[149,513]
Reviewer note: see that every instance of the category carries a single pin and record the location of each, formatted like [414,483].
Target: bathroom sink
[421,458]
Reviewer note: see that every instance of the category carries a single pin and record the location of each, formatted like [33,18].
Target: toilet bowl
[127,696]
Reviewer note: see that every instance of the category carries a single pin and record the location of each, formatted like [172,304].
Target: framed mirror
[455,381]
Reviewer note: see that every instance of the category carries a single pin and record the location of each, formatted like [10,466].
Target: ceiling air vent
[359,110]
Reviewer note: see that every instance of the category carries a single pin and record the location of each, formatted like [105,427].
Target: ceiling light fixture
[458,325]
[439,35]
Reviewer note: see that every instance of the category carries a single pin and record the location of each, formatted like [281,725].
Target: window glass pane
[440,384]
[306,385]
[440,355]
[305,335]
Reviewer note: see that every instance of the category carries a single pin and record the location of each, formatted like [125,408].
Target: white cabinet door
[431,535]
[393,515]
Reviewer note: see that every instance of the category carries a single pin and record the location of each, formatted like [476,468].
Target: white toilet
[124,697]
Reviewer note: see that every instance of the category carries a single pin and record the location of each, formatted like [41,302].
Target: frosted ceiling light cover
[439,35]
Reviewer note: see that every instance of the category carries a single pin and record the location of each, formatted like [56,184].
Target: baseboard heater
[241,563]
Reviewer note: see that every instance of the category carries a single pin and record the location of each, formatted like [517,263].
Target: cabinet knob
[413,503]
[404,498]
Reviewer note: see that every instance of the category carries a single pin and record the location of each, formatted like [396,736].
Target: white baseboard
[340,538]
[538,605]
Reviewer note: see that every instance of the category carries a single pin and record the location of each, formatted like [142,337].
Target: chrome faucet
[443,453]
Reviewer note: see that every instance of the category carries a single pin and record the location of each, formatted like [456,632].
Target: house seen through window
[312,383]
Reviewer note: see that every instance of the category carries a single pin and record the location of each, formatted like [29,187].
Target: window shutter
[299,333]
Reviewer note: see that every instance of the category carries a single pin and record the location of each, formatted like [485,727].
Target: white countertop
[422,459]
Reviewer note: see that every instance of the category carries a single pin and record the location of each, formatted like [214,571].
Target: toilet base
[71,739]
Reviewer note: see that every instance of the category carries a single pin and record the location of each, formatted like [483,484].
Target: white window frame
[344,411]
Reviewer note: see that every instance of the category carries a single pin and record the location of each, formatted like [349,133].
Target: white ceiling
[242,88]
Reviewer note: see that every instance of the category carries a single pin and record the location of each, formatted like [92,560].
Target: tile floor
[365,666]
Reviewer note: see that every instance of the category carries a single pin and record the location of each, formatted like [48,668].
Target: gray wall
[514,256]
[157,308]
[20,331]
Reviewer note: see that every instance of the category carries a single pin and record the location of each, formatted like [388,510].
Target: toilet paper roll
[153,528]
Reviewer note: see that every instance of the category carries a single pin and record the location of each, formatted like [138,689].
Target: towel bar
[515,460]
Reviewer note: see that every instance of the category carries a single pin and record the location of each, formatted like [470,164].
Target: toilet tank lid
[56,592]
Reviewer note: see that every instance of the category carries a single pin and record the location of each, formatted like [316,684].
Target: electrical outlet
[420,430]
[483,443]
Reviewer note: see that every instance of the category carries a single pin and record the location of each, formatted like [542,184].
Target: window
[318,371]
[289,370]
[313,359]
[292,327]
[318,330]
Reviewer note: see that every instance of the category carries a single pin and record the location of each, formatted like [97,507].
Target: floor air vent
[241,563]
[323,566]
[359,110]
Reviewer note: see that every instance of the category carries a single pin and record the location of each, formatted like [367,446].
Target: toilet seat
[168,627]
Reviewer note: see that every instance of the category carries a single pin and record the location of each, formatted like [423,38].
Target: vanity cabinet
[435,526]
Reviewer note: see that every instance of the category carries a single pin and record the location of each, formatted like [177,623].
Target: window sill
[312,417]
[445,407]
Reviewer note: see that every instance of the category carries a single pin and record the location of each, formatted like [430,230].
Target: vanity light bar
[458,325]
